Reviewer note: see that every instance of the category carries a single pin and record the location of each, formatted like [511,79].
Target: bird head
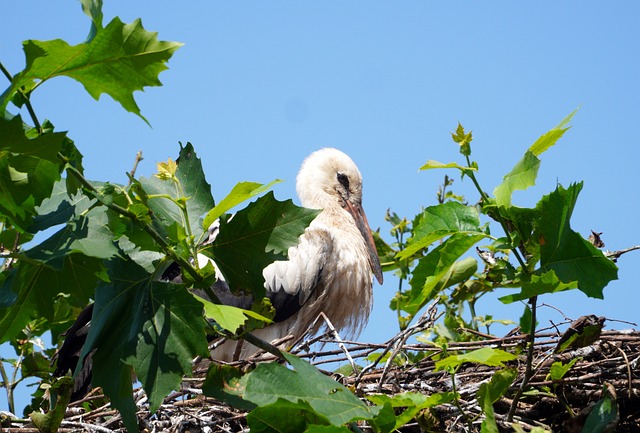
[328,178]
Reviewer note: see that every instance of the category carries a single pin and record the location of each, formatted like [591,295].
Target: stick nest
[562,406]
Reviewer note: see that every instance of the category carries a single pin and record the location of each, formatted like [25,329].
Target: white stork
[331,270]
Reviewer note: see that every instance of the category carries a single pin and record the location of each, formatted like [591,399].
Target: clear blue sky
[260,85]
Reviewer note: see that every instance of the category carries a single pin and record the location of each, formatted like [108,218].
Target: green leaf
[59,208]
[229,317]
[547,282]
[255,237]
[88,235]
[439,221]
[240,192]
[154,327]
[525,320]
[29,290]
[490,392]
[549,138]
[29,169]
[270,383]
[282,417]
[569,255]
[118,60]
[463,139]
[430,165]
[521,177]
[485,356]
[604,417]
[558,370]
[93,9]
[433,267]
[413,402]
[226,383]
[192,186]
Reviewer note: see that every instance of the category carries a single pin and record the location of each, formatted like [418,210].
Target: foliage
[67,240]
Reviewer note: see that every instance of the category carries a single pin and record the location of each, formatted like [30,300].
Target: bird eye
[344,180]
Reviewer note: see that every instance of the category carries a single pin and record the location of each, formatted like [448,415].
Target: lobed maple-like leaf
[308,389]
[255,237]
[564,251]
[190,184]
[152,327]
[118,60]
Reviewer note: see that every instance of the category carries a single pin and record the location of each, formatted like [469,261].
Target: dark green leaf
[226,383]
[30,289]
[283,417]
[525,320]
[29,169]
[413,402]
[255,237]
[604,417]
[569,255]
[272,382]
[154,327]
[490,392]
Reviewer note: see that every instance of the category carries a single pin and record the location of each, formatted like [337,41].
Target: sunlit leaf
[485,356]
[433,267]
[229,317]
[241,192]
[118,60]
[429,165]
[521,177]
[547,282]
[440,221]
[558,370]
[549,138]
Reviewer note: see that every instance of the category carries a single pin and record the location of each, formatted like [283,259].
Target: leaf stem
[8,386]
[184,264]
[5,72]
[528,373]
[485,198]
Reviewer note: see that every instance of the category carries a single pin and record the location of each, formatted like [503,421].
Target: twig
[615,255]
[90,427]
[426,320]
[528,372]
[132,173]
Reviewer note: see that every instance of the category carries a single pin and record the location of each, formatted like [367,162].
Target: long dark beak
[360,218]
